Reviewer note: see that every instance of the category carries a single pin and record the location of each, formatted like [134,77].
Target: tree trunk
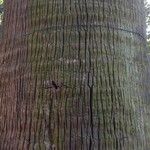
[71,75]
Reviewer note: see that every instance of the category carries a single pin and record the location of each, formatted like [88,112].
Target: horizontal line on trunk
[84,27]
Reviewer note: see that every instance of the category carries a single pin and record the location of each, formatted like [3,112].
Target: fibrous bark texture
[72,75]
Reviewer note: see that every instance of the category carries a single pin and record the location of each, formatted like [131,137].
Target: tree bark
[71,75]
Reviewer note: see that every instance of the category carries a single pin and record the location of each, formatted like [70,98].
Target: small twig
[55,85]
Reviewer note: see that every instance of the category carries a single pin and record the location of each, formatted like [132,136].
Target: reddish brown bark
[70,75]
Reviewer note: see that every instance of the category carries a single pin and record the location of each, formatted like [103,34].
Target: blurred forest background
[147,6]
[1,15]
